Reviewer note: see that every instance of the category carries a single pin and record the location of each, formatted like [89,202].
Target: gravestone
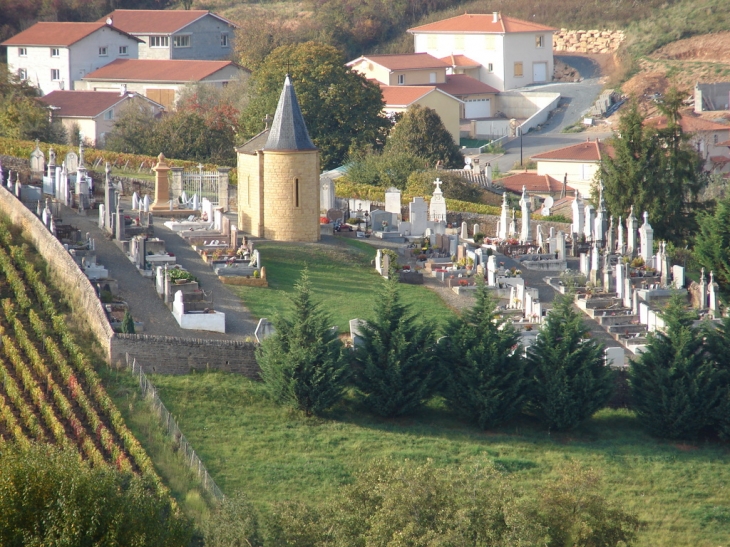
[512,229]
[392,201]
[620,244]
[263,330]
[72,163]
[646,232]
[119,232]
[713,293]
[589,220]
[619,279]
[437,208]
[464,234]
[615,357]
[578,209]
[491,271]
[525,235]
[135,201]
[610,239]
[101,216]
[326,194]
[631,229]
[356,331]
[585,268]
[418,214]
[37,161]
[560,245]
[503,225]
[475,230]
[678,277]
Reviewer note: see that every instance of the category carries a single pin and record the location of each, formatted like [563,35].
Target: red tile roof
[481,23]
[58,34]
[84,104]
[404,95]
[153,70]
[139,21]
[533,182]
[689,124]
[461,61]
[461,84]
[720,160]
[723,143]
[403,61]
[584,151]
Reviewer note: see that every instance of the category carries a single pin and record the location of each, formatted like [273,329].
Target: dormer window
[401,79]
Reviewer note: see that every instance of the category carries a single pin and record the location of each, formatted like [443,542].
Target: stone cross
[631,233]
[525,235]
[647,239]
[578,211]
[620,246]
[503,226]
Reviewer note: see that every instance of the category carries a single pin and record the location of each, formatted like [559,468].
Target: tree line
[680,385]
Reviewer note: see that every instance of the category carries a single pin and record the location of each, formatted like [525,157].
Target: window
[22,52]
[181,41]
[123,50]
[715,138]
[55,74]
[55,52]
[224,40]
[109,114]
[103,51]
[296,193]
[159,41]
[401,79]
[539,41]
[490,67]
[518,69]
[22,74]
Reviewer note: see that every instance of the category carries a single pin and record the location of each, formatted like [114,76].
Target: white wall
[520,46]
[580,174]
[85,56]
[38,64]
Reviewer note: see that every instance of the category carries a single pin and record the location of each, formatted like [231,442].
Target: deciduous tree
[342,110]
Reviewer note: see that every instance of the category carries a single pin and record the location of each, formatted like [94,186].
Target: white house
[161,81]
[511,53]
[52,56]
[576,164]
[177,34]
[93,112]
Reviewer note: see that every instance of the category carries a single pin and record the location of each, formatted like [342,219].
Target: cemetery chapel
[278,177]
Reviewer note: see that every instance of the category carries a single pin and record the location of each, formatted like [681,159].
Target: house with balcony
[503,52]
[177,34]
[51,56]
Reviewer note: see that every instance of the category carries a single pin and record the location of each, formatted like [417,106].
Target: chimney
[495,17]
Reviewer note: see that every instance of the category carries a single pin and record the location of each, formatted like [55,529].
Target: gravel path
[140,293]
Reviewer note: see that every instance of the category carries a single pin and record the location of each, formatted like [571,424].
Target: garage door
[477,108]
[539,72]
[166,97]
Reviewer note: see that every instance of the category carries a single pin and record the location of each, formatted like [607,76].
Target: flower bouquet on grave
[463,282]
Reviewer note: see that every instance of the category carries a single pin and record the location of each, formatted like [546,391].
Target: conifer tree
[675,385]
[718,347]
[127,323]
[482,366]
[712,244]
[570,381]
[302,363]
[395,361]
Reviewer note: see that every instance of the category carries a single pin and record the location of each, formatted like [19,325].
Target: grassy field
[342,280]
[680,492]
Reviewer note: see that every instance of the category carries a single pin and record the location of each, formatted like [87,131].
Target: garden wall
[172,355]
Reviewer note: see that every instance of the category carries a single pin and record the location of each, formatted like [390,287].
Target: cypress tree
[712,246]
[395,361]
[569,380]
[127,323]
[676,387]
[482,366]
[718,346]
[302,363]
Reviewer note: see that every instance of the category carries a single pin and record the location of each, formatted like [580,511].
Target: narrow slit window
[296,192]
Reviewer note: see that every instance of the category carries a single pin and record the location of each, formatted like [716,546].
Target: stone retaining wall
[172,355]
[67,275]
[588,41]
[488,223]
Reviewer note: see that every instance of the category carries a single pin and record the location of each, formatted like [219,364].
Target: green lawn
[342,280]
[681,492]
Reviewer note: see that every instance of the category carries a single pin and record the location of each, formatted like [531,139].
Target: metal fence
[149,392]
[203,183]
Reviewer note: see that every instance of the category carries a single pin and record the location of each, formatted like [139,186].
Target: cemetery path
[240,324]
[139,292]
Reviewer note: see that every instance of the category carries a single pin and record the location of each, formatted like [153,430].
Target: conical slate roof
[288,132]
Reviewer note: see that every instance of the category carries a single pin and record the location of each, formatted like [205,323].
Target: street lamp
[519,128]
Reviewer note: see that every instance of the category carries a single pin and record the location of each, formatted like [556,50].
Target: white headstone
[263,330]
[146,203]
[560,245]
[437,208]
[615,357]
[326,194]
[418,214]
[464,230]
[631,228]
[392,201]
[135,201]
[525,235]
[72,163]
[678,277]
[646,232]
[504,219]
[620,244]
[578,209]
[619,280]
[589,220]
